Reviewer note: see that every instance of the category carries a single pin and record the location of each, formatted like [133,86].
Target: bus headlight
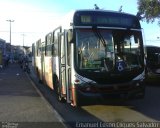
[77,81]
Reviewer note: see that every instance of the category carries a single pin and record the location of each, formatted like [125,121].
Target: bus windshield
[102,50]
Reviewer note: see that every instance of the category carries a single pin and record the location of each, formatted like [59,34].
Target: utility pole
[10,21]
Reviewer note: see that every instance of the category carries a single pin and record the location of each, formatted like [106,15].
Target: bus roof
[101,10]
[105,18]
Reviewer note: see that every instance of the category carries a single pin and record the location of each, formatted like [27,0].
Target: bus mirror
[70,36]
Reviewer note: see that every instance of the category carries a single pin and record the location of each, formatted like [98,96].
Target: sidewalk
[21,103]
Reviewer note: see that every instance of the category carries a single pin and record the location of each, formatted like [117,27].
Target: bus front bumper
[131,90]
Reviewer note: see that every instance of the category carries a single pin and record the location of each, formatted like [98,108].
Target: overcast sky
[35,18]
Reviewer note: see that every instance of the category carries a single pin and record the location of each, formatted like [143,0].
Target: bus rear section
[37,59]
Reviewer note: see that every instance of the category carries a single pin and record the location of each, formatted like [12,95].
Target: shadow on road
[150,105]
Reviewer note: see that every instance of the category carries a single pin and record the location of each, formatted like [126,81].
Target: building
[2,50]
[3,46]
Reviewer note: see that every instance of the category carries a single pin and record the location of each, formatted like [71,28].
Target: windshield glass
[104,50]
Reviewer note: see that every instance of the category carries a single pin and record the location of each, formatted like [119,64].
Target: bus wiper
[102,40]
[99,35]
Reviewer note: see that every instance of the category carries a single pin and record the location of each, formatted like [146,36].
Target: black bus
[153,59]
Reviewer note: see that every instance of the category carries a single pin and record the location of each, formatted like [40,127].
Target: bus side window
[69,39]
[55,47]
[55,43]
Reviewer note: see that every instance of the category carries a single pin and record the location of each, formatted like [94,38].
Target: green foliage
[149,10]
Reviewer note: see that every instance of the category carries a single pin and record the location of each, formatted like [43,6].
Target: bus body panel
[48,71]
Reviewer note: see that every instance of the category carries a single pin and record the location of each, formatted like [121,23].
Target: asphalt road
[21,105]
[142,110]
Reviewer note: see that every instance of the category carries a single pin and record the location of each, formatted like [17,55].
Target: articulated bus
[96,55]
[153,59]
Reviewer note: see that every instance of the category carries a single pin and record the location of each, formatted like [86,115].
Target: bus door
[64,67]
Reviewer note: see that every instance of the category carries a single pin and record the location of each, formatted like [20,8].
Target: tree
[149,10]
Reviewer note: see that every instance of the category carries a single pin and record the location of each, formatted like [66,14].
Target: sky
[35,18]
